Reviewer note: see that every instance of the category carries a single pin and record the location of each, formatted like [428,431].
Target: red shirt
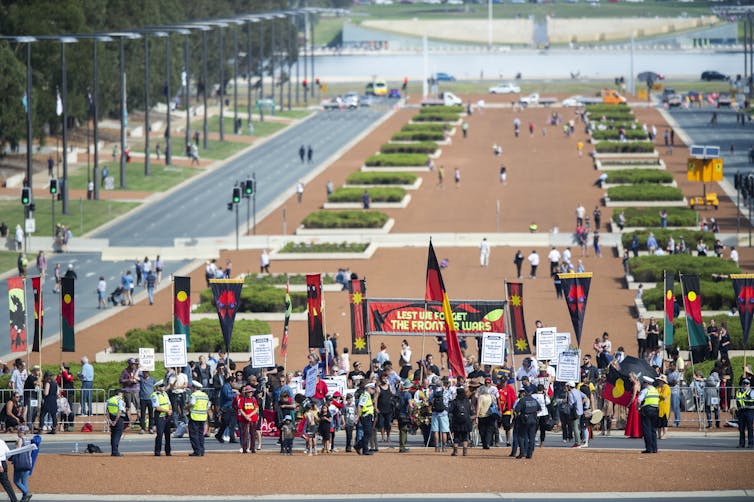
[246,406]
[506,398]
[320,391]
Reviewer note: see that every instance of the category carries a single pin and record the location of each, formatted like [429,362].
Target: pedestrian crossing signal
[236,195]
[53,186]
[26,196]
[248,188]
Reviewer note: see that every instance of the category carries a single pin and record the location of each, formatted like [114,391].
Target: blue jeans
[675,405]
[150,294]
[21,480]
[86,398]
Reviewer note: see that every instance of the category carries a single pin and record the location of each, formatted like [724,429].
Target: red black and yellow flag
[182,307]
[315,307]
[357,289]
[436,292]
[692,302]
[576,291]
[517,326]
[227,294]
[17,309]
[743,287]
[39,313]
[618,389]
[67,310]
[668,328]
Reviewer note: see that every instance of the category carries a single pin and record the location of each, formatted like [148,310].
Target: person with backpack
[461,424]
[527,408]
[440,424]
[403,411]
[518,427]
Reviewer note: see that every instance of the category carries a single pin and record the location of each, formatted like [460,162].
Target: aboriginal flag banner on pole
[227,293]
[182,307]
[436,292]
[743,287]
[288,309]
[36,287]
[576,291]
[516,312]
[669,307]
[67,309]
[692,302]
[357,289]
[618,389]
[17,306]
[315,308]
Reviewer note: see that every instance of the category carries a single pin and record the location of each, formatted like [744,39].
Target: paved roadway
[198,208]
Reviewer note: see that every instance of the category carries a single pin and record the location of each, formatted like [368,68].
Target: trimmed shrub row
[638,176]
[650,216]
[396,159]
[423,147]
[425,127]
[379,194]
[387,178]
[715,296]
[644,192]
[418,136]
[651,268]
[691,237]
[428,110]
[595,109]
[681,340]
[630,162]
[436,117]
[345,219]
[324,247]
[620,147]
[614,134]
[255,297]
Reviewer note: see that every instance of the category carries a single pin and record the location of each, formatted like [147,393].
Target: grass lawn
[294,113]
[92,213]
[219,150]
[8,260]
[160,179]
[261,129]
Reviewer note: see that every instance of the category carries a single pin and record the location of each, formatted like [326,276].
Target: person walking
[302,153]
[163,412]
[300,191]
[745,405]
[527,407]
[404,414]
[533,263]
[484,253]
[309,154]
[465,129]
[150,281]
[22,464]
[461,421]
[365,417]
[4,472]
[49,402]
[518,260]
[649,405]
[457,177]
[248,414]
[101,293]
[575,407]
[198,404]
[86,376]
[116,410]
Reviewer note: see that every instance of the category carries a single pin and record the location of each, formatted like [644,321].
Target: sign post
[174,351]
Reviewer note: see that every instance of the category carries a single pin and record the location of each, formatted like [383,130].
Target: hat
[131,360]
[248,388]
[197,384]
[375,360]
[159,383]
[571,384]
[370,385]
[597,416]
[747,370]
[746,381]
[408,383]
[337,394]
[35,367]
[488,380]
[287,418]
[663,378]
[542,367]
[648,379]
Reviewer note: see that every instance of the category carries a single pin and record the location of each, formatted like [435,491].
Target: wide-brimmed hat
[663,378]
[597,416]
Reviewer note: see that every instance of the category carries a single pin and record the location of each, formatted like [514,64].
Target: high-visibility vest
[113,405]
[199,409]
[367,409]
[652,398]
[163,401]
[745,400]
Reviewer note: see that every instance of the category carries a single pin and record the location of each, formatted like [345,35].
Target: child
[349,420]
[325,421]
[288,435]
[312,421]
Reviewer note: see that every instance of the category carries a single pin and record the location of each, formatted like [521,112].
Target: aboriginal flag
[357,289]
[743,287]
[39,313]
[67,309]
[517,325]
[692,302]
[288,309]
[618,389]
[315,307]
[576,290]
[182,307]
[227,293]
[17,306]
[669,307]
[436,292]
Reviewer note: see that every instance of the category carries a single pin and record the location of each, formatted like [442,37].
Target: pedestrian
[329,187]
[484,253]
[596,244]
[116,410]
[163,412]
[533,263]
[288,433]
[404,412]
[150,282]
[663,218]
[531,129]
[597,214]
[4,472]
[196,138]
[302,153]
[745,405]
[575,411]
[366,199]
[300,191]
[457,177]
[518,260]
[649,403]
[146,410]
[247,409]
[101,292]
[440,175]
[365,417]
[503,174]
[465,129]
[50,166]
[440,424]
[157,151]
[527,408]
[198,404]
[58,276]
[19,238]
[264,262]
[461,421]
[86,376]
[516,126]
[309,154]
[22,464]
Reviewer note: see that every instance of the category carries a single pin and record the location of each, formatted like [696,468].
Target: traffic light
[26,196]
[230,206]
[53,186]
[236,195]
[248,188]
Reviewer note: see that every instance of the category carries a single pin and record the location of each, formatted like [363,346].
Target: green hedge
[418,136]
[681,340]
[345,219]
[613,116]
[436,117]
[614,134]
[715,296]
[324,247]
[652,268]
[426,147]
[737,362]
[629,162]
[396,159]
[638,176]
[620,147]
[280,279]
[205,334]
[650,216]
[386,178]
[377,194]
[644,192]
[255,297]
[598,109]
[429,110]
[690,236]
[425,127]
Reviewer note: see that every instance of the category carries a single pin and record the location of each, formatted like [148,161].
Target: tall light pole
[64,84]
[29,139]
[95,109]
[221,25]
[123,105]
[249,108]
[205,76]
[289,54]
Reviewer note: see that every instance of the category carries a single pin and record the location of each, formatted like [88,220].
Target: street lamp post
[95,110]
[272,60]
[147,105]
[29,146]
[186,81]
[206,87]
[64,84]
[289,52]
[168,150]
[222,81]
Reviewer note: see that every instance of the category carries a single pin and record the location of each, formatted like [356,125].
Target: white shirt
[543,400]
[533,259]
[406,356]
[19,379]
[102,286]
[734,255]
[484,248]
[264,259]
[554,256]
[3,451]
[567,256]
[580,212]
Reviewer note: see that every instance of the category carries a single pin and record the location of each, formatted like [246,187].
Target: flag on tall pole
[36,287]
[692,303]
[669,329]
[436,292]
[743,287]
[58,103]
[288,309]
[67,310]
[576,291]
[357,290]
[182,307]
[517,325]
[315,311]
[227,293]
[17,307]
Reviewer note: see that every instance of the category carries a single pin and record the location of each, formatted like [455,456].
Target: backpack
[529,409]
[460,413]
[438,402]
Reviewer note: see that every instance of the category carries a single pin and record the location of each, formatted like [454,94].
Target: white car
[573,101]
[351,100]
[505,88]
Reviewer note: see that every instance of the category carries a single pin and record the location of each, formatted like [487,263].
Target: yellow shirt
[664,400]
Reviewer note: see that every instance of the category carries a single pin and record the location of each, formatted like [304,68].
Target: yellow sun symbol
[360,344]
[357,298]
[521,344]
[516,300]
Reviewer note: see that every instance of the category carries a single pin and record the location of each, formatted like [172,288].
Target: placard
[174,350]
[336,383]
[568,366]
[146,359]
[562,344]
[546,343]
[493,349]
[262,351]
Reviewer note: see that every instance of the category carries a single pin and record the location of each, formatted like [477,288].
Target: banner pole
[324,325]
[507,309]
[26,318]
[423,372]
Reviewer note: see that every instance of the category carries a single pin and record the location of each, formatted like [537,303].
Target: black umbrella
[639,367]
[649,76]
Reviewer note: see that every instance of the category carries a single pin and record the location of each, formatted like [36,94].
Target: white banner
[262,351]
[146,359]
[562,344]
[336,383]
[546,343]
[569,369]
[174,350]
[493,349]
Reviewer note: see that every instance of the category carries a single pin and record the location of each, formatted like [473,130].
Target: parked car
[573,101]
[351,100]
[444,77]
[332,103]
[711,75]
[531,99]
[505,88]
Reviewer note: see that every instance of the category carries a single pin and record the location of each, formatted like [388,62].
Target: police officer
[365,416]
[649,402]
[198,404]
[116,410]
[163,412]
[745,404]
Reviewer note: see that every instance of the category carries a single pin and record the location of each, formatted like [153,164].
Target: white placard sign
[336,383]
[174,350]
[562,344]
[262,351]
[493,349]
[568,366]
[546,343]
[146,359]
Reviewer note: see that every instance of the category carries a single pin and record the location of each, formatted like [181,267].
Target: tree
[12,88]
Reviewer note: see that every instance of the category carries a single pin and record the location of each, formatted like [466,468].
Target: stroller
[116,297]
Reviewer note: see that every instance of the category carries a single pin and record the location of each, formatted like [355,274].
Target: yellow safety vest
[199,409]
[162,401]
[113,405]
[652,398]
[745,400]
[367,410]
